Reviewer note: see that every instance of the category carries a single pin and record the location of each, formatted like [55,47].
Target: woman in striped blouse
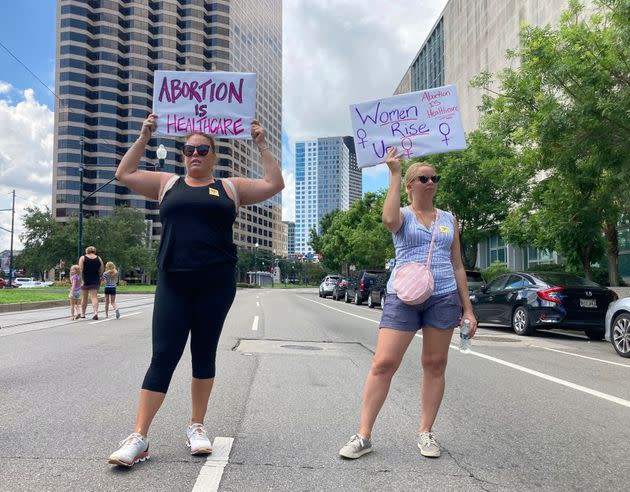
[412,229]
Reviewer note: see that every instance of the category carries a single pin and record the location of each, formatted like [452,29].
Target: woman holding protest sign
[425,234]
[196,272]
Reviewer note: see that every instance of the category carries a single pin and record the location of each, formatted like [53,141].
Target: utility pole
[80,238]
[11,231]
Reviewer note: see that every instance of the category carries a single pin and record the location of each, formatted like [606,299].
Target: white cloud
[340,52]
[26,156]
[288,196]
[5,87]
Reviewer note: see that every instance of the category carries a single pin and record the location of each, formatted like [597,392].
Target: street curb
[28,306]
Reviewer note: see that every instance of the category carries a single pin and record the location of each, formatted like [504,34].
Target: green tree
[479,185]
[568,103]
[356,236]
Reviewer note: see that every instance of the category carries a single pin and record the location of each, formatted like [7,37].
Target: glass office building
[326,179]
[107,52]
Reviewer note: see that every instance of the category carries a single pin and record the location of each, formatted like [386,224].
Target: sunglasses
[425,179]
[202,149]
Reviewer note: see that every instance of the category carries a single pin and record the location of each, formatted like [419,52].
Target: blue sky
[27,28]
[330,60]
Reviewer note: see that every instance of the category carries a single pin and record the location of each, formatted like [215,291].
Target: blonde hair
[76,268]
[90,249]
[110,270]
[412,173]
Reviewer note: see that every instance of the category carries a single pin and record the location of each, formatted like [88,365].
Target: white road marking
[114,318]
[584,357]
[255,324]
[562,382]
[583,389]
[212,470]
[340,310]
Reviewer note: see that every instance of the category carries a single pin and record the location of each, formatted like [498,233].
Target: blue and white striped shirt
[412,243]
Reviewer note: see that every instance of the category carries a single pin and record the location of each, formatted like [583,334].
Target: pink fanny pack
[413,282]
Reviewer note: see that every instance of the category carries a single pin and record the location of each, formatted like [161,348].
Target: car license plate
[588,303]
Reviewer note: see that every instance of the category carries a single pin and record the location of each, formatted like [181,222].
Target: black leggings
[195,302]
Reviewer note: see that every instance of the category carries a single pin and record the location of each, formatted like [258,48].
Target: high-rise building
[470,37]
[107,52]
[355,177]
[290,237]
[325,180]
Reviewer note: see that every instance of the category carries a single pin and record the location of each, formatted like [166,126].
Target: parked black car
[527,301]
[339,290]
[379,290]
[360,284]
[474,280]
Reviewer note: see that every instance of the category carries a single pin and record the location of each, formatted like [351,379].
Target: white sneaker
[197,440]
[133,449]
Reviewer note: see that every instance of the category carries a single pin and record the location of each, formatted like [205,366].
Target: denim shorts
[443,311]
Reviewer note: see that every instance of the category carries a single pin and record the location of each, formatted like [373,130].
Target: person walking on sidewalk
[110,276]
[91,267]
[196,272]
[412,230]
[75,292]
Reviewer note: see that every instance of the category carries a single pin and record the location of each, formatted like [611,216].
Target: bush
[497,268]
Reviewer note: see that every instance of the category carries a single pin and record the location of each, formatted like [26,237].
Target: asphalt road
[549,412]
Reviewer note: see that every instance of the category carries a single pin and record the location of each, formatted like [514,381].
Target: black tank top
[196,227]
[91,268]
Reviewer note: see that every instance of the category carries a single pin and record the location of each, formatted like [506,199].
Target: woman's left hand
[473,322]
[258,134]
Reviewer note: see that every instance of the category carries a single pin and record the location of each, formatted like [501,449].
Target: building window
[497,250]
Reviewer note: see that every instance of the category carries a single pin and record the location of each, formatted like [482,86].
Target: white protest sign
[222,104]
[418,123]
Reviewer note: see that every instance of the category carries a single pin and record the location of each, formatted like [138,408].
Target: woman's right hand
[148,127]
[393,160]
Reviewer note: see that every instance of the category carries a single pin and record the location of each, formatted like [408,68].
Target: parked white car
[618,326]
[28,283]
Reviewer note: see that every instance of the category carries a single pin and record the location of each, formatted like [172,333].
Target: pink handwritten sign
[418,123]
[222,104]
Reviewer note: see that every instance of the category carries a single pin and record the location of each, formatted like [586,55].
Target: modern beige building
[470,37]
[107,52]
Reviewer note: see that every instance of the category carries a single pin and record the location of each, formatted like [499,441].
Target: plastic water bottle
[464,339]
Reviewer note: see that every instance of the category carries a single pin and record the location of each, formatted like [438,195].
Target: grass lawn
[9,296]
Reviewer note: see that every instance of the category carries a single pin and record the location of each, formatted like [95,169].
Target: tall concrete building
[470,37]
[290,225]
[324,181]
[107,52]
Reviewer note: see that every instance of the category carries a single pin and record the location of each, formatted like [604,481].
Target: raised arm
[144,183]
[257,190]
[392,215]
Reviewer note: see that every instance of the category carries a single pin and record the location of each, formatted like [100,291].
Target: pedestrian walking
[75,292]
[110,277]
[91,267]
[196,272]
[423,235]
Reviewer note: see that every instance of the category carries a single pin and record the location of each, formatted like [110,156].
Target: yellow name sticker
[444,229]
[213,192]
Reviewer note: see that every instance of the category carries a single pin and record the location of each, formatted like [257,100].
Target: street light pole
[80,239]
